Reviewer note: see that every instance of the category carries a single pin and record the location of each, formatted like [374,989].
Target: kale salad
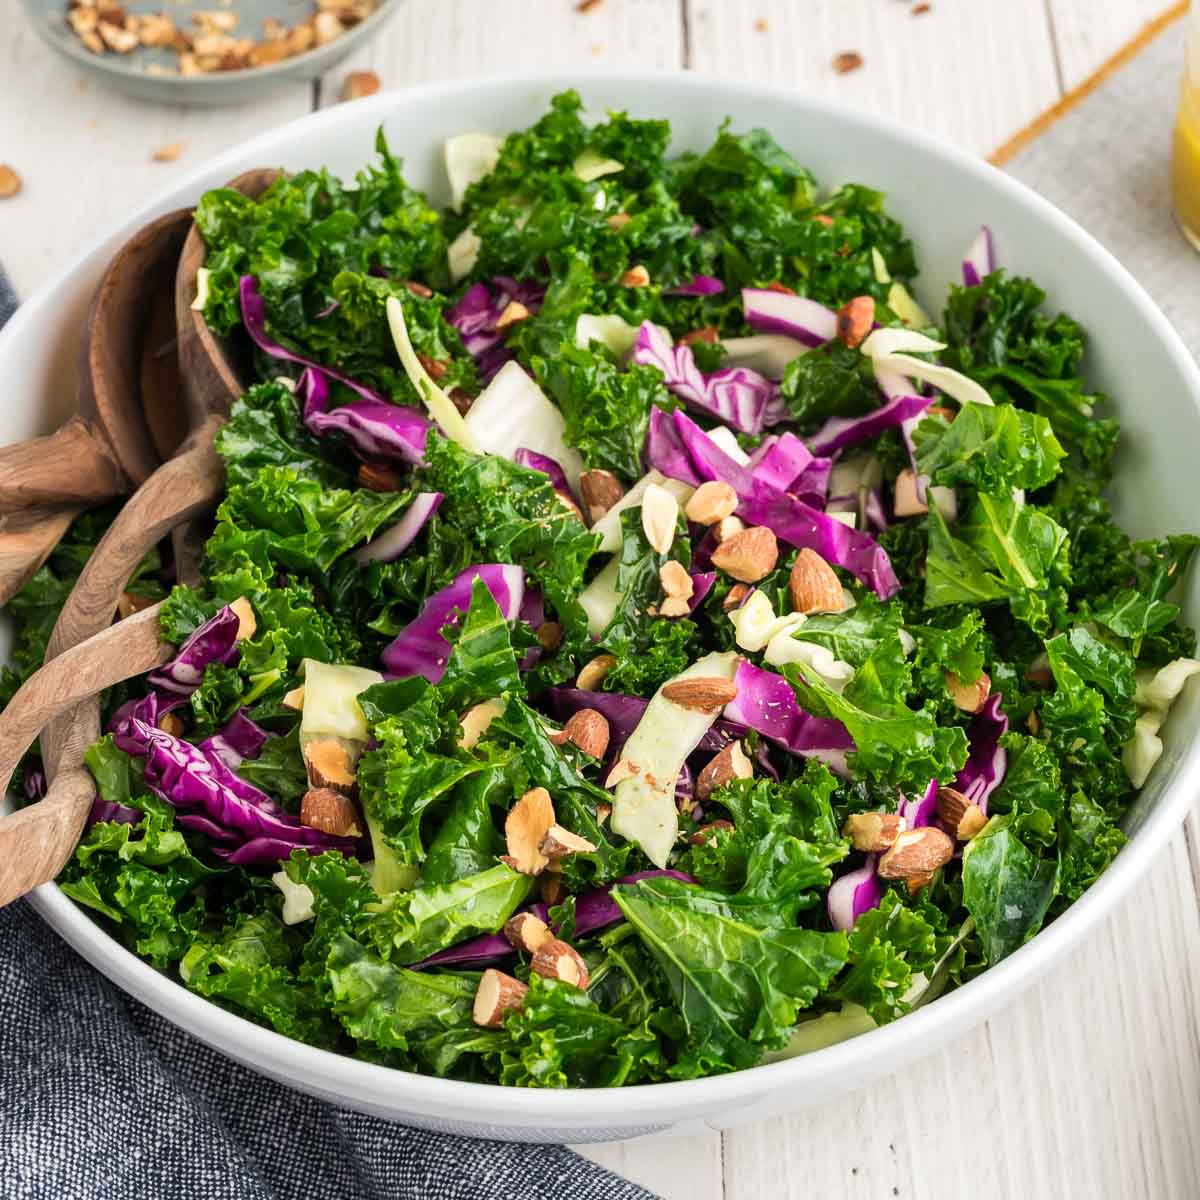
[636,639]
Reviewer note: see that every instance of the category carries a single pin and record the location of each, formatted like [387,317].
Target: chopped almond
[476,720]
[600,490]
[675,606]
[660,514]
[855,319]
[247,622]
[727,765]
[170,723]
[675,580]
[418,289]
[622,769]
[559,843]
[916,853]
[326,28]
[711,502]
[379,478]
[294,699]
[635,277]
[497,994]
[727,527]
[706,831]
[331,812]
[813,586]
[847,61]
[549,635]
[735,597]
[706,333]
[873,831]
[588,730]
[328,765]
[962,817]
[359,84]
[435,368]
[701,693]
[556,960]
[527,823]
[593,673]
[168,153]
[514,311]
[527,931]
[748,556]
[970,697]
[618,220]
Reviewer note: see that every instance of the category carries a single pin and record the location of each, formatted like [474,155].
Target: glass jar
[1185,163]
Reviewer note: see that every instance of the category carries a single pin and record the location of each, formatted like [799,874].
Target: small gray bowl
[127,72]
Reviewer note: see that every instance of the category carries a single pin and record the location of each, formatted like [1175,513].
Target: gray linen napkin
[102,1099]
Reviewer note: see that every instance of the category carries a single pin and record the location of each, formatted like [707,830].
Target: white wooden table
[1088,1086]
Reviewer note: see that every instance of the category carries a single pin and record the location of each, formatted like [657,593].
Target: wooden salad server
[113,442]
[36,842]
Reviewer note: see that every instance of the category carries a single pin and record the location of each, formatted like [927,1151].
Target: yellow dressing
[1185,162]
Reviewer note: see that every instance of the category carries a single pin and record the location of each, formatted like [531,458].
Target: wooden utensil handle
[119,652]
[27,538]
[72,467]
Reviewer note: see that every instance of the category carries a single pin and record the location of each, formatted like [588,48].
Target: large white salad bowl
[942,196]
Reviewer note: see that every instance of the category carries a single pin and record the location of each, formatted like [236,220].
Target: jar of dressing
[1185,163]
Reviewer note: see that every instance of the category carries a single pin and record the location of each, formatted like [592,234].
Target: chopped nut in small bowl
[223,53]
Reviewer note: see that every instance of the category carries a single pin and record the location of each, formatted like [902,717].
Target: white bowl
[942,196]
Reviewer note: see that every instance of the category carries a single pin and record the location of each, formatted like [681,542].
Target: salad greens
[782,661]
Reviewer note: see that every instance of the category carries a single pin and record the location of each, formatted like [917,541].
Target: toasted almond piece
[940,410]
[593,673]
[962,817]
[358,84]
[600,491]
[435,368]
[728,527]
[264,54]
[328,765]
[556,960]
[873,831]
[916,852]
[706,831]
[378,478]
[603,812]
[514,311]
[294,699]
[635,277]
[749,556]
[214,21]
[762,25]
[497,994]
[549,635]
[847,61]
[660,515]
[618,221]
[301,37]
[675,580]
[156,29]
[706,333]
[588,730]
[585,6]
[569,505]
[622,769]
[701,693]
[855,319]
[712,501]
[330,811]
[170,723]
[559,843]
[326,28]
[726,765]
[736,596]
[247,622]
[527,931]
[117,38]
[675,606]
[128,604]
[169,152]
[813,586]
[970,697]
[475,721]
[1032,723]
[905,500]
[914,883]
[528,821]
[551,889]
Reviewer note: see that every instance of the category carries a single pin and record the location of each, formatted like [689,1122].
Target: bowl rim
[858,1059]
[120,67]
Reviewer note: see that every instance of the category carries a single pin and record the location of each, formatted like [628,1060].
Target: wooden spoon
[108,447]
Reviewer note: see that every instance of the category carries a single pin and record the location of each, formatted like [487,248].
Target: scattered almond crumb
[10,181]
[587,5]
[921,9]
[599,48]
[762,25]
[168,153]
[359,84]
[847,61]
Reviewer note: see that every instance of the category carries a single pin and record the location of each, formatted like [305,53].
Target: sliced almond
[603,812]
[475,721]
[156,29]
[712,501]
[916,852]
[497,994]
[588,730]
[328,765]
[736,596]
[905,500]
[962,817]
[326,27]
[527,823]
[622,769]
[358,84]
[970,697]
[435,368]
[600,491]
[635,277]
[294,699]
[675,606]
[170,723]
[556,960]
[514,311]
[116,37]
[727,527]
[728,764]
[660,516]
[247,622]
[559,843]
[527,931]
[813,586]
[855,319]
[675,580]
[701,693]
[749,556]
[873,831]
[594,672]
[331,812]
[706,831]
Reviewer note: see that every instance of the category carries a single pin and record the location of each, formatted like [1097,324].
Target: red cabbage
[701,285]
[375,428]
[548,466]
[796,316]
[702,584]
[987,761]
[240,739]
[980,259]
[107,810]
[784,462]
[475,316]
[839,432]
[735,395]
[765,702]
[393,542]
[199,784]
[873,510]
[853,894]
[680,449]
[921,810]
[214,642]
[420,649]
[33,782]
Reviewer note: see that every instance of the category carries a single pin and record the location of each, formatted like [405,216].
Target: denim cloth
[102,1099]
